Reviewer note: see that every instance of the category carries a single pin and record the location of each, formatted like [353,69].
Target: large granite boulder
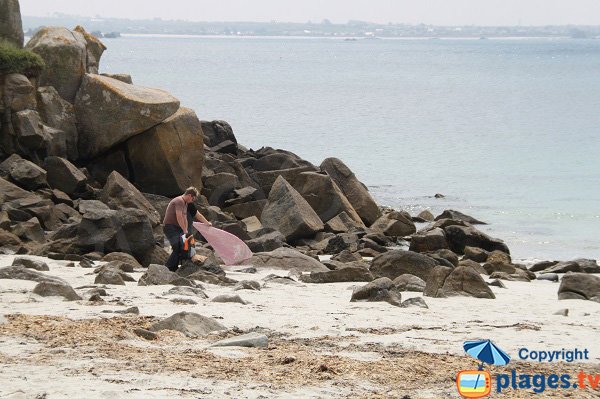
[119,193]
[11,26]
[395,224]
[34,139]
[58,114]
[219,136]
[289,213]
[286,259]
[579,286]
[344,274]
[105,230]
[461,281]
[94,49]
[19,93]
[157,275]
[456,215]
[408,282]
[577,266]
[64,176]
[267,178]
[28,175]
[10,192]
[324,196]
[355,191]
[109,112]
[342,223]
[176,159]
[265,240]
[64,53]
[431,240]
[395,263]
[459,237]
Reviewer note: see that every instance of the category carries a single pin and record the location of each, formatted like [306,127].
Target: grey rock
[579,286]
[497,283]
[356,192]
[130,310]
[229,298]
[146,334]
[110,111]
[286,259]
[30,230]
[473,265]
[177,144]
[190,324]
[157,275]
[548,276]
[394,224]
[64,53]
[456,215]
[562,312]
[64,176]
[119,193]
[417,302]
[211,278]
[288,212]
[187,291]
[395,263]
[345,274]
[50,288]
[461,281]
[459,237]
[251,340]
[476,254]
[247,285]
[109,276]
[124,258]
[11,28]
[31,263]
[28,175]
[380,290]
[429,241]
[59,114]
[408,282]
[540,266]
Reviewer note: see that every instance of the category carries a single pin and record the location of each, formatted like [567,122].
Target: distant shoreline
[349,38]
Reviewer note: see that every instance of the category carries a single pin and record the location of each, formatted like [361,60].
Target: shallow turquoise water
[508,130]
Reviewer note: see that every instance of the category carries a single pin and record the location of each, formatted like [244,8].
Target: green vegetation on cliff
[16,60]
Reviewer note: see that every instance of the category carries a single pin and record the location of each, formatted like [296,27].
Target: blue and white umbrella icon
[486,352]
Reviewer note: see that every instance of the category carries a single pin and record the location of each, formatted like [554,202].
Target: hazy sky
[437,12]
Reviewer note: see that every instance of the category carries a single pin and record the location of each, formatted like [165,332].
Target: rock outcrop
[177,155]
[109,112]
[355,191]
[11,27]
[289,213]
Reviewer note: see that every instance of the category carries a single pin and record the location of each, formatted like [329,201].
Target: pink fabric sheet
[230,248]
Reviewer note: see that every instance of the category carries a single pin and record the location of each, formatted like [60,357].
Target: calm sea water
[507,130]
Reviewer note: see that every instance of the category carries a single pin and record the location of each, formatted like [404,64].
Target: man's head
[190,194]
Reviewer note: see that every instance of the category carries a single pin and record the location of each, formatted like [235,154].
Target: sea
[508,130]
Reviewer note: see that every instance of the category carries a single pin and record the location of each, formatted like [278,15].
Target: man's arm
[181,214]
[199,217]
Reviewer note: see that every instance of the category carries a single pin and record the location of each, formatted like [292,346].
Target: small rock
[131,310]
[149,335]
[96,298]
[562,312]
[31,263]
[86,263]
[70,264]
[438,195]
[288,360]
[190,324]
[251,270]
[548,277]
[97,291]
[47,288]
[187,291]
[497,283]
[251,340]
[184,301]
[109,276]
[229,298]
[417,302]
[247,285]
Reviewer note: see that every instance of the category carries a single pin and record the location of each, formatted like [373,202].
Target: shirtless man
[177,222]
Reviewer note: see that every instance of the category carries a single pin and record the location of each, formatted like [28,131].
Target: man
[178,220]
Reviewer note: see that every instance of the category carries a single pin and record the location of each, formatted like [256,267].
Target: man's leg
[173,234]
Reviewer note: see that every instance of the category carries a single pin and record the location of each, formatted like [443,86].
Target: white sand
[520,316]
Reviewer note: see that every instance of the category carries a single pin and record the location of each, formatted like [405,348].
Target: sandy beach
[321,345]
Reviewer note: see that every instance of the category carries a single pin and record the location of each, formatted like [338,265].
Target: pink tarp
[230,248]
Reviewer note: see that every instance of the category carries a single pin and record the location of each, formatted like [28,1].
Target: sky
[434,12]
